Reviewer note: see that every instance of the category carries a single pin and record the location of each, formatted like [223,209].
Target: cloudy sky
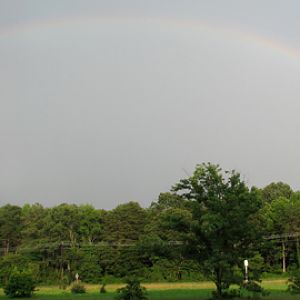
[104,102]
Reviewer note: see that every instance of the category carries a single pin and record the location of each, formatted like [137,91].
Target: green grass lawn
[165,291]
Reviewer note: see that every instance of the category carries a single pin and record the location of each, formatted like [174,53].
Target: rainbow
[169,23]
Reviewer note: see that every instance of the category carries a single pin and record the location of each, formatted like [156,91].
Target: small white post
[77,277]
[246,263]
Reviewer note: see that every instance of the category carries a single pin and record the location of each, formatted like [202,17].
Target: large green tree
[224,209]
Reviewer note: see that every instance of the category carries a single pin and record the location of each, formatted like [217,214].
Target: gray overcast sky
[104,102]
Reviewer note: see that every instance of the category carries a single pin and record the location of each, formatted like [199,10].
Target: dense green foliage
[202,229]
[20,284]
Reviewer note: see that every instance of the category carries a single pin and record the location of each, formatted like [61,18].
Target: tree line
[203,228]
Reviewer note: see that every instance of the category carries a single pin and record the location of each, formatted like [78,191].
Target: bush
[294,282]
[253,290]
[102,288]
[20,284]
[78,288]
[132,291]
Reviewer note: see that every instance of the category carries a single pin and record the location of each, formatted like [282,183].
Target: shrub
[253,290]
[102,288]
[132,291]
[78,288]
[20,284]
[294,282]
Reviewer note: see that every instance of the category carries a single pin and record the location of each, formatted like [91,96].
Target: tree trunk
[283,258]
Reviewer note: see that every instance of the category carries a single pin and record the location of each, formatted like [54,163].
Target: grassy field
[165,291]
